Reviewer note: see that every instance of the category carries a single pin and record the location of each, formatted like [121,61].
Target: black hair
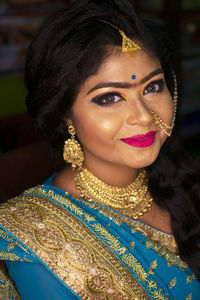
[70,47]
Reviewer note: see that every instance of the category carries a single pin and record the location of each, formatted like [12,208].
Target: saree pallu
[53,246]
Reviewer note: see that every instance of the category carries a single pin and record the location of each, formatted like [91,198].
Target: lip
[140,140]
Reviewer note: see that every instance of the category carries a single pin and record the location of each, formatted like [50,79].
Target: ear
[68,121]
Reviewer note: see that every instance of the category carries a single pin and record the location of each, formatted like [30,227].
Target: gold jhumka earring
[128,45]
[167,129]
[73,153]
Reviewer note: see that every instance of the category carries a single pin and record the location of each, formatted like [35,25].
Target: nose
[138,111]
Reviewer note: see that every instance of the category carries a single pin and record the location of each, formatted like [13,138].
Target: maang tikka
[128,45]
[131,47]
[73,153]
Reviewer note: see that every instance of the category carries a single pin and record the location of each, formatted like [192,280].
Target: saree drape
[53,246]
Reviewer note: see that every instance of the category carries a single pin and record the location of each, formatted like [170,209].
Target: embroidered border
[76,255]
[117,219]
[156,239]
[171,258]
[166,240]
[7,288]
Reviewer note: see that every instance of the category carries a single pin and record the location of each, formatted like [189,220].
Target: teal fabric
[34,280]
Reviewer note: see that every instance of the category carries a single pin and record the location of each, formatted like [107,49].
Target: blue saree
[53,246]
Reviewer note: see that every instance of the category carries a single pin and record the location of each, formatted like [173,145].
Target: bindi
[133,76]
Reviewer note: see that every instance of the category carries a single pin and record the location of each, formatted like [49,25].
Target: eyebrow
[125,85]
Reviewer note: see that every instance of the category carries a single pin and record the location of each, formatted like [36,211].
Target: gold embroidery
[152,284]
[6,236]
[194,276]
[54,196]
[128,259]
[166,240]
[13,241]
[189,297]
[172,283]
[11,246]
[159,295]
[110,239]
[171,258]
[89,218]
[132,244]
[7,288]
[70,249]
[133,230]
[108,215]
[113,243]
[153,266]
[189,279]
[11,256]
[135,266]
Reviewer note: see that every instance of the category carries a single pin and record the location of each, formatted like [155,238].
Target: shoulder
[27,220]
[15,215]
[12,249]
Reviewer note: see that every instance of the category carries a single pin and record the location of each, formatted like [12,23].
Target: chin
[145,162]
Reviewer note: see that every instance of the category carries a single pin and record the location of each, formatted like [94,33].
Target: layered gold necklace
[132,201]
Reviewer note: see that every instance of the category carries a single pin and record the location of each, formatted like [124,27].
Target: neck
[111,174]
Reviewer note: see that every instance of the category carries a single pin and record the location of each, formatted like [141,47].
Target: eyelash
[109,98]
[155,86]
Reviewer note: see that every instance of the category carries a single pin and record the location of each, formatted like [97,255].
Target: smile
[141,140]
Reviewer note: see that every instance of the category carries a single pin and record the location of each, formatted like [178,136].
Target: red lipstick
[141,140]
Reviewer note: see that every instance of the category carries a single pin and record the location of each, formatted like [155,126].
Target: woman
[122,220]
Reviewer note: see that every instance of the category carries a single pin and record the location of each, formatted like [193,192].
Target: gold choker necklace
[132,201]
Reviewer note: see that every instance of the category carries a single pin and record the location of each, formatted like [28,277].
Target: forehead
[121,67]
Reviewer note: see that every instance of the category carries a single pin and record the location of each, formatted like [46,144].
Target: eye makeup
[125,99]
[154,87]
[108,99]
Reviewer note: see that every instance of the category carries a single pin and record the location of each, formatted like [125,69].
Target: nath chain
[164,126]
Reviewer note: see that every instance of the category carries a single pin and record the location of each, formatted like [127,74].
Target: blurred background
[22,152]
[182,18]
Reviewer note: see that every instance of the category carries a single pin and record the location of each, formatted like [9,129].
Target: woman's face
[113,106]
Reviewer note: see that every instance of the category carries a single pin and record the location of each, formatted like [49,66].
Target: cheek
[165,109]
[168,110]
[95,127]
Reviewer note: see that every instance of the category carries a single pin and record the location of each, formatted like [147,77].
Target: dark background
[182,17]
[24,158]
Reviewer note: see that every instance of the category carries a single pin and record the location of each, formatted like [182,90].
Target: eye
[154,87]
[108,99]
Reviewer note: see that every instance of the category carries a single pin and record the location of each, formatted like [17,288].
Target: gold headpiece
[128,45]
